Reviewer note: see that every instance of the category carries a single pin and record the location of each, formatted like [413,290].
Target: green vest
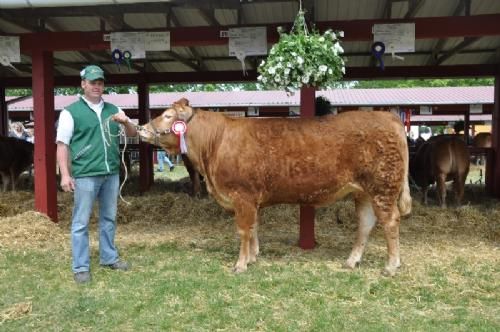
[94,150]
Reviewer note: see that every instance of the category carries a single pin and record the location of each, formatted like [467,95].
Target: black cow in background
[16,156]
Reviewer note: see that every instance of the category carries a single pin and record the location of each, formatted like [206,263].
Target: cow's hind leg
[366,221]
[389,218]
[246,215]
[441,189]
[458,188]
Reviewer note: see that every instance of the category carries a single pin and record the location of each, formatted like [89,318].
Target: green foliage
[379,84]
[301,59]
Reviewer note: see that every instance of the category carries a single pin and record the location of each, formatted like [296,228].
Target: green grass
[180,289]
[182,251]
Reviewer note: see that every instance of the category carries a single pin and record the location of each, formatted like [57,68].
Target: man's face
[93,89]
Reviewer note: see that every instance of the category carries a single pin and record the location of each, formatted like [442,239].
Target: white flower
[300,60]
[287,71]
[271,70]
[321,39]
[330,71]
[294,54]
[341,34]
[289,65]
[323,68]
[343,70]
[305,79]
[259,78]
[338,48]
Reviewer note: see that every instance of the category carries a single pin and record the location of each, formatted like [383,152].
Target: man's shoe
[82,277]
[119,265]
[172,168]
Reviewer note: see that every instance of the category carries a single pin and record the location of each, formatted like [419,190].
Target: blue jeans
[87,190]
[161,156]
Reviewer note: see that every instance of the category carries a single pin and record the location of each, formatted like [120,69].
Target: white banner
[157,41]
[9,49]
[249,41]
[397,37]
[134,42]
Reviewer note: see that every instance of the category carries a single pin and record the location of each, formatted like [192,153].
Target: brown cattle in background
[440,159]
[482,140]
[252,163]
[16,156]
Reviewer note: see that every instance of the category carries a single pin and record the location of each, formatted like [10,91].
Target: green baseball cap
[92,73]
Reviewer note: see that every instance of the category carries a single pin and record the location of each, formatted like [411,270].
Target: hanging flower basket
[301,59]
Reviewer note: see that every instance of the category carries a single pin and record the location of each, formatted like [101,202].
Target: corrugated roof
[483,50]
[339,97]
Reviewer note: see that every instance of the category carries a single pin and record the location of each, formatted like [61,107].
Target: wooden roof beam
[413,8]
[465,43]
[201,65]
[440,43]
[352,73]
[209,16]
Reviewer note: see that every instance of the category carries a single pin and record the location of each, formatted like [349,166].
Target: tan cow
[253,163]
[442,158]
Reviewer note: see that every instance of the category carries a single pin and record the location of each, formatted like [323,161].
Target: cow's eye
[166,116]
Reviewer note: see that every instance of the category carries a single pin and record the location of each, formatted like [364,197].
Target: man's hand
[121,118]
[67,183]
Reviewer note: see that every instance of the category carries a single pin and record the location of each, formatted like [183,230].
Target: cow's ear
[182,102]
[185,113]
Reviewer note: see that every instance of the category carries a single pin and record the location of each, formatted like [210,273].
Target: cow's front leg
[366,221]
[246,223]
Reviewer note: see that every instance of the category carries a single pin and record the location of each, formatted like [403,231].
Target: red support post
[307,213]
[493,165]
[45,147]
[4,117]
[145,149]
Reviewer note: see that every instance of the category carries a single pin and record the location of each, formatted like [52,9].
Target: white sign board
[134,42]
[157,41]
[397,37]
[249,41]
[425,110]
[9,49]
[476,108]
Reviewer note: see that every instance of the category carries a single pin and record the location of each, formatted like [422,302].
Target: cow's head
[160,131]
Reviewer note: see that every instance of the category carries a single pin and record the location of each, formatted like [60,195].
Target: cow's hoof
[239,269]
[350,264]
[389,272]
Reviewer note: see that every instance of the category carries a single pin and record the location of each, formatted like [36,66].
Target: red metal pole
[307,213]
[45,148]
[145,149]
[493,162]
[4,117]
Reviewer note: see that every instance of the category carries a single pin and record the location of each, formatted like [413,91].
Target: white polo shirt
[66,124]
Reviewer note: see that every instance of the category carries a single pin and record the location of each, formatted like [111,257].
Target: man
[89,161]
[161,158]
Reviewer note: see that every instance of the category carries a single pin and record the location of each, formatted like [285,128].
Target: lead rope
[107,140]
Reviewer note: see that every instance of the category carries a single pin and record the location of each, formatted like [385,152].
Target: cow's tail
[404,202]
